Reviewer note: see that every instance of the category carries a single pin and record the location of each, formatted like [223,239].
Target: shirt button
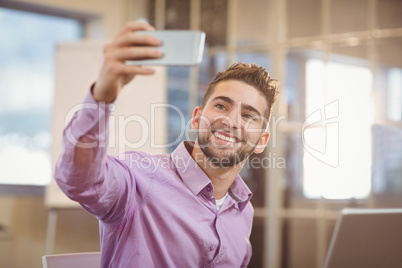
[211,248]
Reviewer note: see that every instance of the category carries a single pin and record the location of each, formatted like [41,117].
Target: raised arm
[102,184]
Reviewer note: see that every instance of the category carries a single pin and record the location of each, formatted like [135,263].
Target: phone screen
[180,48]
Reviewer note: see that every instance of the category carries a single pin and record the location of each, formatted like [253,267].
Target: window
[395,94]
[26,88]
[340,145]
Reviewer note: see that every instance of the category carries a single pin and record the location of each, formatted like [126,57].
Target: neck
[221,177]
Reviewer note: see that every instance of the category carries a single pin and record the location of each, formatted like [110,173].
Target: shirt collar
[240,192]
[196,180]
[191,174]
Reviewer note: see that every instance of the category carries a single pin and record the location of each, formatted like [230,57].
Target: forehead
[240,92]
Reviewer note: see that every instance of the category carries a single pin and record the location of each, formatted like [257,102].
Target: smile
[225,138]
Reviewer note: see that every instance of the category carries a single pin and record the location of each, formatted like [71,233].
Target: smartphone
[180,48]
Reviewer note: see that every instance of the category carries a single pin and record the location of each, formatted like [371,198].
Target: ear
[195,121]
[262,143]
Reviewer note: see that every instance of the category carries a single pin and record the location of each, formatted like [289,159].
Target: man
[187,209]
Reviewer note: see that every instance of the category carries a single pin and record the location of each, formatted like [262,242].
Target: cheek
[211,118]
[203,123]
[253,137]
[253,133]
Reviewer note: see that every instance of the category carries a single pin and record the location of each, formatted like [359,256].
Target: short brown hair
[253,75]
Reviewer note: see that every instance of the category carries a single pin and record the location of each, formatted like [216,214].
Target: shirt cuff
[91,121]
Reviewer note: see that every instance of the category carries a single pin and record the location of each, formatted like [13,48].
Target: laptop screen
[366,238]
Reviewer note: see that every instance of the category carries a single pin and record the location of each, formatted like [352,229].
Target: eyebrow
[231,102]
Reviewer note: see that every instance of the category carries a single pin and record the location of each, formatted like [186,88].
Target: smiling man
[187,209]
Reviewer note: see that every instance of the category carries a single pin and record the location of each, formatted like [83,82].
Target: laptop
[366,238]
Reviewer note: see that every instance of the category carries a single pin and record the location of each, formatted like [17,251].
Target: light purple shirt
[153,210]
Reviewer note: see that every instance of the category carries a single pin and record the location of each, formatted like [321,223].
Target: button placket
[218,248]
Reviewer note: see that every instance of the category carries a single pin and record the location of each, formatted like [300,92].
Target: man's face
[231,125]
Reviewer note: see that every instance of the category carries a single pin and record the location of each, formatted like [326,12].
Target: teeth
[223,137]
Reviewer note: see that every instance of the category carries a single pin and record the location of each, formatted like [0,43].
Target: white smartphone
[180,48]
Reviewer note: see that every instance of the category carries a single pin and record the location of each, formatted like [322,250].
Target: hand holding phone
[126,45]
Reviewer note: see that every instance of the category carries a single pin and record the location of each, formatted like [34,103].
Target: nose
[233,118]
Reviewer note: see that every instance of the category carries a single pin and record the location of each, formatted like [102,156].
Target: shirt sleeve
[102,184]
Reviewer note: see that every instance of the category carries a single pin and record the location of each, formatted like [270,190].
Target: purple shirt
[153,210]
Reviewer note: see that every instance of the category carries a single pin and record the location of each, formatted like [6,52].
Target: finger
[135,70]
[133,26]
[136,39]
[135,53]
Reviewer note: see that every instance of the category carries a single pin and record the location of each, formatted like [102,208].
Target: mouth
[226,137]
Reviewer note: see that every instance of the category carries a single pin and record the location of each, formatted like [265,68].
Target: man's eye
[220,106]
[248,116]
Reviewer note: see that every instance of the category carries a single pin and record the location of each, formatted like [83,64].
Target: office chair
[75,260]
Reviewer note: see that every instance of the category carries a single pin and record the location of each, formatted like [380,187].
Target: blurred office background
[336,132]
